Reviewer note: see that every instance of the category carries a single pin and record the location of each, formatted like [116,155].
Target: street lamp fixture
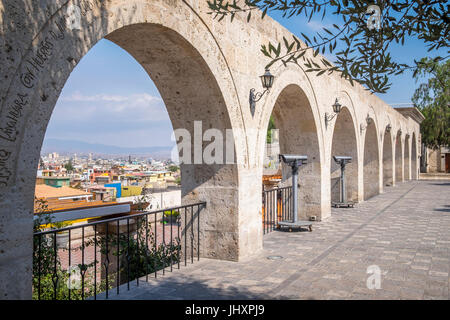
[267,82]
[388,128]
[363,127]
[336,109]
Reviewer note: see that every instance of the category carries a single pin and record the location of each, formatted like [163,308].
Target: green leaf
[306,38]
[264,12]
[321,72]
[316,52]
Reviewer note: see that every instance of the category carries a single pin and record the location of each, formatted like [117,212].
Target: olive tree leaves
[432,97]
[361,54]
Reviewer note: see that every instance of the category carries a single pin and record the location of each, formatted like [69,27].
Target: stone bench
[348,204]
[294,225]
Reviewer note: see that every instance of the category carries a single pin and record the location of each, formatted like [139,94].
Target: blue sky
[110,99]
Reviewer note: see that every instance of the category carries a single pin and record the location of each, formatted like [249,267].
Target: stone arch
[298,135]
[414,158]
[344,143]
[388,159]
[192,75]
[293,93]
[406,160]
[398,158]
[371,175]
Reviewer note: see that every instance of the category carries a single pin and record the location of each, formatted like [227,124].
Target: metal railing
[82,261]
[277,206]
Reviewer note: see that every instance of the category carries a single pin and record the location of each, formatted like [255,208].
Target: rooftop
[54,177]
[48,192]
[409,110]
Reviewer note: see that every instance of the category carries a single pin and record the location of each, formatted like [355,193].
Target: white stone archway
[292,104]
[407,160]
[398,158]
[388,159]
[344,143]
[204,70]
[371,175]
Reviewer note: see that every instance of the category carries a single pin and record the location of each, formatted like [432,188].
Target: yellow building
[130,191]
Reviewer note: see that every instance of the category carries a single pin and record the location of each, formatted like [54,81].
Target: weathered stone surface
[204,70]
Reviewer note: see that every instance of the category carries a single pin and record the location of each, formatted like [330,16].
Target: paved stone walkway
[405,231]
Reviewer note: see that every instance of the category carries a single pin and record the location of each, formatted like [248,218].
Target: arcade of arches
[204,71]
[344,144]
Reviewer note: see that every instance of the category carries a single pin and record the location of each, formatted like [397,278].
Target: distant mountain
[80,147]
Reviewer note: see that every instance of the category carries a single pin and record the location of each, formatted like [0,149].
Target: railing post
[276,207]
[111,235]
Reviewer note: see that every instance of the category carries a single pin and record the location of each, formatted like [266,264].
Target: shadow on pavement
[186,289]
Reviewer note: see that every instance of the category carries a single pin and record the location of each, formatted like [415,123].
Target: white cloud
[316,25]
[141,97]
[138,119]
[139,107]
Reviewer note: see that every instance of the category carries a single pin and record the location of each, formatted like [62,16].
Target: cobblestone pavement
[405,231]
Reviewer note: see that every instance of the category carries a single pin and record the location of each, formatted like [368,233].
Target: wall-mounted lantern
[336,109]
[363,127]
[407,135]
[267,82]
[388,128]
[400,132]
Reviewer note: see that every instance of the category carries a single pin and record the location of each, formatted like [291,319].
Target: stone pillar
[219,221]
[388,161]
[371,173]
[16,243]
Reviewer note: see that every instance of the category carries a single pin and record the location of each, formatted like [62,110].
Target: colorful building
[52,181]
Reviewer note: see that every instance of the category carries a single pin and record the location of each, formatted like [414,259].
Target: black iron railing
[277,206]
[79,262]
